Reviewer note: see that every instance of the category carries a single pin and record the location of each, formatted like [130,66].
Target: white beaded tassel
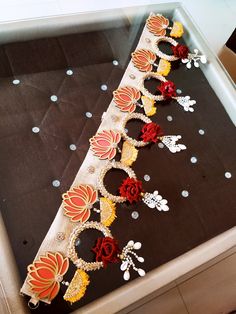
[195,57]
[154,199]
[170,142]
[186,102]
[127,261]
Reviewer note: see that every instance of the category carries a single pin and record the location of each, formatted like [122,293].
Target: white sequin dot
[160,145]
[126,130]
[54,98]
[16,82]
[169,118]
[77,242]
[178,91]
[228,175]
[193,160]
[147,177]
[135,214]
[69,72]
[104,87]
[56,183]
[115,62]
[72,147]
[88,114]
[201,132]
[35,129]
[185,193]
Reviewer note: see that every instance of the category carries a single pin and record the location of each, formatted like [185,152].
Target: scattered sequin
[185,193]
[228,175]
[135,214]
[147,177]
[69,72]
[72,147]
[115,62]
[115,118]
[201,132]
[16,82]
[60,236]
[104,87]
[193,160]
[88,114]
[77,242]
[35,129]
[126,130]
[169,118]
[160,145]
[56,183]
[54,98]
[147,40]
[178,91]
[132,76]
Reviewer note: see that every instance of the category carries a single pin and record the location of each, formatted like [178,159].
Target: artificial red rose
[180,51]
[151,132]
[167,89]
[106,250]
[131,189]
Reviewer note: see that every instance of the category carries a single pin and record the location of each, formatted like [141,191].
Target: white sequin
[185,193]
[126,130]
[56,183]
[193,160]
[147,177]
[228,175]
[115,62]
[72,147]
[35,129]
[16,82]
[201,132]
[160,145]
[178,91]
[169,118]
[88,114]
[69,72]
[135,214]
[54,98]
[77,242]
[104,87]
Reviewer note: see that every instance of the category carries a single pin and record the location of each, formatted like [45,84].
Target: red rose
[106,250]
[151,132]
[131,189]
[167,89]
[180,51]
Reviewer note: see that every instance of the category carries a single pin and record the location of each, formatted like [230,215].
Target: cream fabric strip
[62,223]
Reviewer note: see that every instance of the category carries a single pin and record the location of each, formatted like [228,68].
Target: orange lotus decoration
[45,275]
[143,59]
[104,144]
[126,98]
[78,202]
[157,25]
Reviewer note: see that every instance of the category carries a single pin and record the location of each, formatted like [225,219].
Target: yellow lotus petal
[164,67]
[77,287]
[108,211]
[129,154]
[148,105]
[177,30]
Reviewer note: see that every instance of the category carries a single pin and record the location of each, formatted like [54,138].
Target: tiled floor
[216,18]
[209,289]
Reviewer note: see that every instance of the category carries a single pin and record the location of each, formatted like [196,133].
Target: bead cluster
[132,116]
[71,253]
[101,187]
